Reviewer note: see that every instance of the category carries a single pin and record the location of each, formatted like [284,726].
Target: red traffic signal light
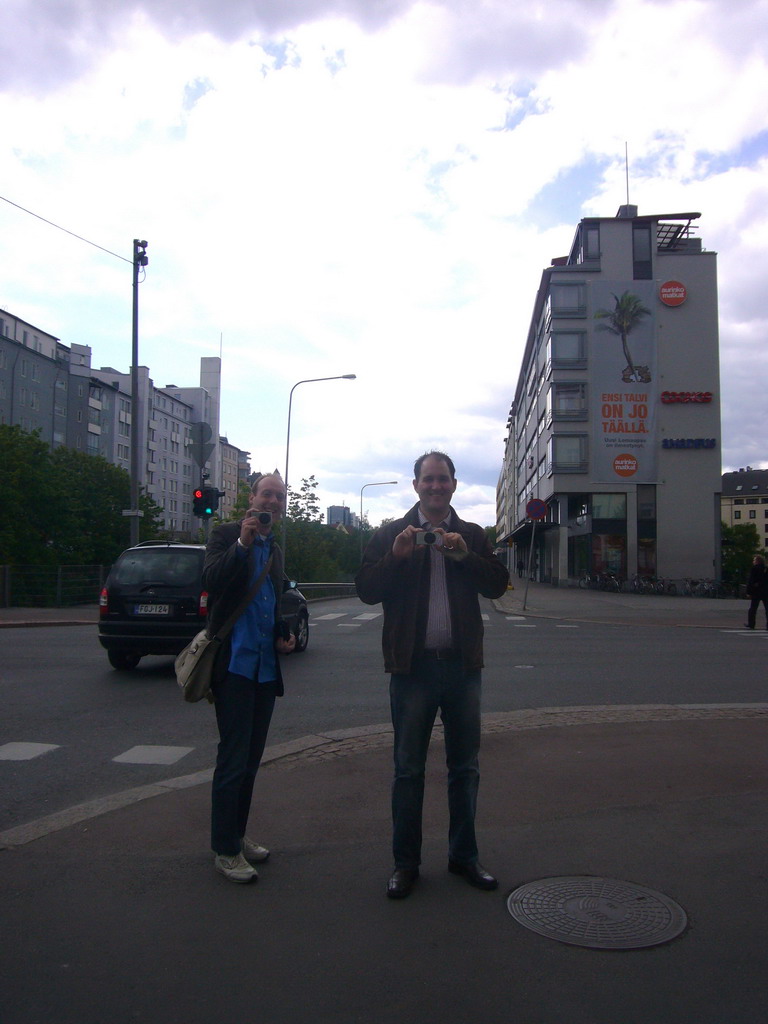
[199,503]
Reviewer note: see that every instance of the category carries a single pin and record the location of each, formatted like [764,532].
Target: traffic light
[211,497]
[198,502]
[205,501]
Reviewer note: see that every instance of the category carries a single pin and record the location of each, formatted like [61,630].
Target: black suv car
[153,602]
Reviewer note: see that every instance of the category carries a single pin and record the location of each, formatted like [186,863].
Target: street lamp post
[311,380]
[379,483]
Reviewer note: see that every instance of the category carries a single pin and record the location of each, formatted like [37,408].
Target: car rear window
[169,566]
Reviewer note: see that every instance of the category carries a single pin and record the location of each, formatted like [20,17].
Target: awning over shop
[521,535]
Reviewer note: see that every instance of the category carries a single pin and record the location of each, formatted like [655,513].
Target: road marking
[25,751]
[368,615]
[349,625]
[330,615]
[559,625]
[153,755]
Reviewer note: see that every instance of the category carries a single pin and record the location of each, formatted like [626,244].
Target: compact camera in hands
[265,518]
[429,537]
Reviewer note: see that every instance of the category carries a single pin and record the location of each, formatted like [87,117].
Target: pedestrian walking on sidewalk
[757,591]
[247,675]
[427,570]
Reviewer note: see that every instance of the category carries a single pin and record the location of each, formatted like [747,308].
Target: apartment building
[744,500]
[612,460]
[51,388]
[235,469]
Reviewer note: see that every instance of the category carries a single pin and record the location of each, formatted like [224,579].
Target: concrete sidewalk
[115,915]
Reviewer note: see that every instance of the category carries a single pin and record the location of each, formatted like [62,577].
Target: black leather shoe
[401,883]
[475,874]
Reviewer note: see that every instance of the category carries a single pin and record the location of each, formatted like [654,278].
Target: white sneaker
[236,869]
[253,852]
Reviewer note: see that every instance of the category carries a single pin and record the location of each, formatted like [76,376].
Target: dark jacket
[227,577]
[402,587]
[757,584]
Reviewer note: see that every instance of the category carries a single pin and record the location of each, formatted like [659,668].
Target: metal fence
[323,591]
[35,586]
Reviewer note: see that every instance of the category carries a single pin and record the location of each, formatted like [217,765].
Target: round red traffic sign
[536,509]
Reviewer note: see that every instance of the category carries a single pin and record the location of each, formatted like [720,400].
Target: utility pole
[140,260]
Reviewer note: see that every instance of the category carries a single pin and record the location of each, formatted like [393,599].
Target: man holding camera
[243,557]
[427,570]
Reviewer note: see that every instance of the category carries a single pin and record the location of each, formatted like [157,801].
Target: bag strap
[229,624]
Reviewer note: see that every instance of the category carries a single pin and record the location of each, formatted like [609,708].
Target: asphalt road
[58,689]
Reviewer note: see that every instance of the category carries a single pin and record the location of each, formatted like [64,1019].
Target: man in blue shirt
[247,676]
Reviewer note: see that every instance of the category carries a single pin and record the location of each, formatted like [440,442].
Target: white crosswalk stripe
[152,755]
[25,751]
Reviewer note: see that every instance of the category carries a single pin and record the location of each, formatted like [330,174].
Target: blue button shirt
[253,638]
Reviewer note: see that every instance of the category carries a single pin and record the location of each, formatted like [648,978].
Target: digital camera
[265,518]
[429,537]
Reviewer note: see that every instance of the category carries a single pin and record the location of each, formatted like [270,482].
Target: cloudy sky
[370,187]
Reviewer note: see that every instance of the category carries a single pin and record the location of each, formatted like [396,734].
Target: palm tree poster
[625,381]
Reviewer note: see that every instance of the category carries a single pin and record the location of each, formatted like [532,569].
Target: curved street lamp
[311,380]
[379,483]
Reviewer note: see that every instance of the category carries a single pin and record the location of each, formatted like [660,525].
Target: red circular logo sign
[625,465]
[673,293]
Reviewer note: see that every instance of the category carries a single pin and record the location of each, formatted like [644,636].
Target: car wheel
[123,659]
[302,633]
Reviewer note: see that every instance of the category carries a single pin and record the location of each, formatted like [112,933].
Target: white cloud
[353,187]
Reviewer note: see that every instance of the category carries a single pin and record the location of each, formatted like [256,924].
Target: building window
[569,401]
[641,252]
[737,515]
[568,453]
[567,300]
[646,501]
[566,349]
[609,506]
[752,514]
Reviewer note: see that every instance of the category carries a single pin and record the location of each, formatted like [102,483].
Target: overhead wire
[66,230]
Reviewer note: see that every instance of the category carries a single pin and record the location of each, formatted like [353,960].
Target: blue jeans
[243,713]
[414,700]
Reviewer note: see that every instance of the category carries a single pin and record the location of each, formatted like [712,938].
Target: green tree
[91,527]
[740,544]
[33,500]
[304,504]
[64,507]
[627,313]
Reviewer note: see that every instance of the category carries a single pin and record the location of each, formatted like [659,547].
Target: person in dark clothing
[427,570]
[247,676]
[757,591]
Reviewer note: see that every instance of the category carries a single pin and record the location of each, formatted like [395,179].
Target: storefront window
[609,506]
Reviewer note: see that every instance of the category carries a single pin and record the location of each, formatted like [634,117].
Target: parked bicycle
[642,584]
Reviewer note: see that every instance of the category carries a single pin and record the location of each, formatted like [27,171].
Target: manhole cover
[601,913]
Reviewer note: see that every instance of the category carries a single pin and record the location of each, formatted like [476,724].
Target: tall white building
[614,429]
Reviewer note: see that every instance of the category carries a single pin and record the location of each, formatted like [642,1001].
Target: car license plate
[152,609]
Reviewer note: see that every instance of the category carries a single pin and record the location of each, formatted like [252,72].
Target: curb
[341,742]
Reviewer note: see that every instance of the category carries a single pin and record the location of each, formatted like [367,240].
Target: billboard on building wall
[624,382]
